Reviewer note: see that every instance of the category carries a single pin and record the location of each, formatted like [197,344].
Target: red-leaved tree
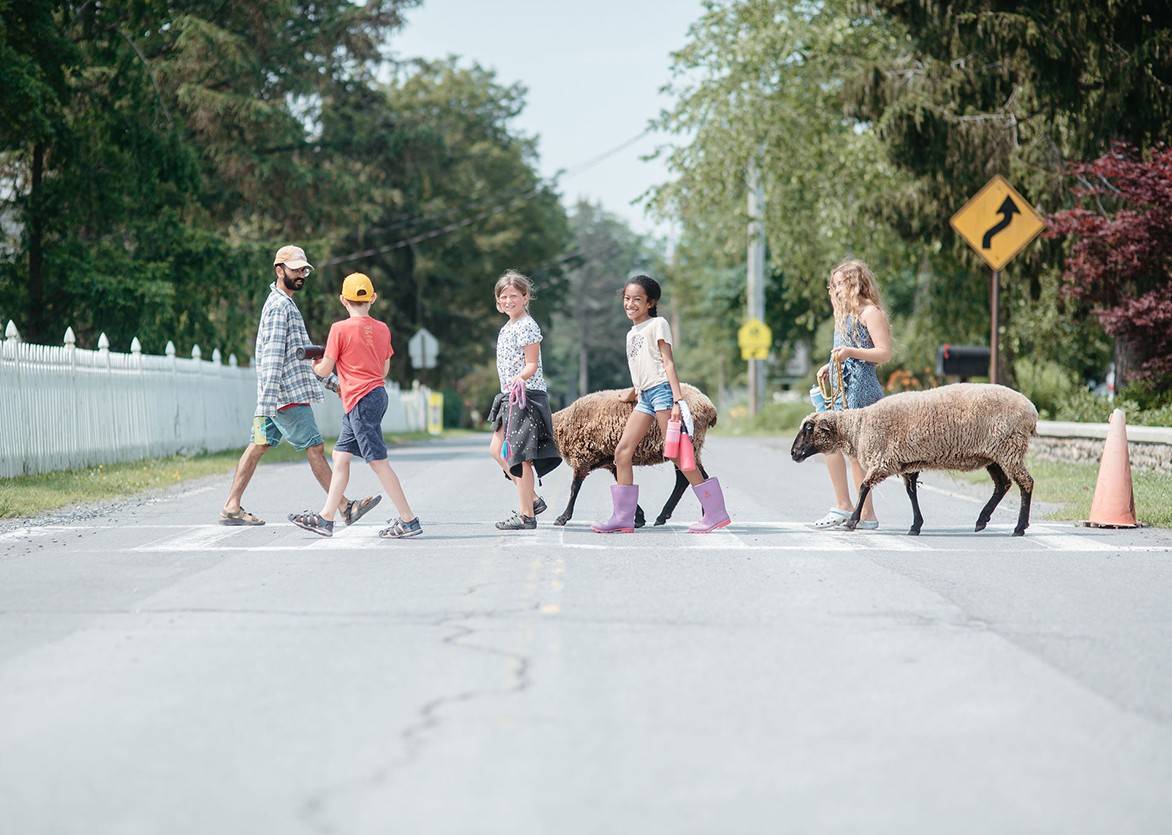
[1121,258]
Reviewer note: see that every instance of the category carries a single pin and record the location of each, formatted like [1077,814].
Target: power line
[500,207]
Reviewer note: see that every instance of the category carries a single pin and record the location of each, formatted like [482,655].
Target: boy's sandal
[239,517]
[833,519]
[867,525]
[401,530]
[312,522]
[539,506]
[355,510]
[518,522]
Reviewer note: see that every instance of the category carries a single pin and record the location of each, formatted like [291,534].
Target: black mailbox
[962,361]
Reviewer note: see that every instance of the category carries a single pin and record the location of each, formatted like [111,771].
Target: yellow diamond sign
[754,337]
[998,222]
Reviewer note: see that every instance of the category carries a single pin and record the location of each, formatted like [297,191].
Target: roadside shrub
[1047,384]
[1087,407]
[903,379]
[774,418]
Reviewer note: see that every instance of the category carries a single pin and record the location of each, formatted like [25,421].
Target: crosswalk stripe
[779,536]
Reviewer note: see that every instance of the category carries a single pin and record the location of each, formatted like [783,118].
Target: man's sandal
[355,510]
[239,517]
[312,522]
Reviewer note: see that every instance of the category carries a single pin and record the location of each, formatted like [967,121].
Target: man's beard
[291,284]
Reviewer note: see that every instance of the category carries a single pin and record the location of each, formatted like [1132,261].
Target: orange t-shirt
[360,346]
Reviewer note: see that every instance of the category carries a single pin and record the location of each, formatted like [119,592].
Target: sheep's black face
[803,446]
[818,433]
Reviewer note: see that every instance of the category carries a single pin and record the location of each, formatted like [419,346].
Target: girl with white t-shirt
[657,397]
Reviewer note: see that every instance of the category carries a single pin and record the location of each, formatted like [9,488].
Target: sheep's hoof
[1020,532]
[914,532]
[848,525]
[980,527]
[561,521]
[662,520]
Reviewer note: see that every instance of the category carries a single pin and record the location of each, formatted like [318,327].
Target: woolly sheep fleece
[965,426]
[588,430]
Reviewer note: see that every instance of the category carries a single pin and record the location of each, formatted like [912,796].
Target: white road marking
[778,536]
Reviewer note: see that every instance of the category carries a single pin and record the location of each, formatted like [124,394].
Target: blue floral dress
[861,385]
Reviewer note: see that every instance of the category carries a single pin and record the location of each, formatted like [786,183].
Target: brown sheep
[588,430]
[958,427]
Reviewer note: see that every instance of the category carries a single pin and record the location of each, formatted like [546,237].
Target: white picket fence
[64,407]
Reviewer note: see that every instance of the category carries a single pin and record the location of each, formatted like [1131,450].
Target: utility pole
[756,279]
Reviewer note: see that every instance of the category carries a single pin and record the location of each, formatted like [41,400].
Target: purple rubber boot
[625,498]
[712,502]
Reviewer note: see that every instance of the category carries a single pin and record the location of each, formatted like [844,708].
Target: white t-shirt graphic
[643,355]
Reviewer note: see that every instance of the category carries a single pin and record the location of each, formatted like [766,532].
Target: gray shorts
[362,427]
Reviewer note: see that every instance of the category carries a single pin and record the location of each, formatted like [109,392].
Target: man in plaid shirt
[285,386]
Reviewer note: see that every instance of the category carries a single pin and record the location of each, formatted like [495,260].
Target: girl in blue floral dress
[862,340]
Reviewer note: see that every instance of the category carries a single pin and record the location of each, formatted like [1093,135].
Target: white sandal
[833,519]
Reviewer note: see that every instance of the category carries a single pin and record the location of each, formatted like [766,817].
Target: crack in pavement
[416,735]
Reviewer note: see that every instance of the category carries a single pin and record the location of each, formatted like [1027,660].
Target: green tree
[766,80]
[980,87]
[586,349]
[457,210]
[166,148]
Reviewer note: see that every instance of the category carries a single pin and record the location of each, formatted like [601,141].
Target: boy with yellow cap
[360,348]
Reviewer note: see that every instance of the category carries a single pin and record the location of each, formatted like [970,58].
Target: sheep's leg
[568,513]
[1025,483]
[1001,484]
[677,493]
[909,482]
[864,490]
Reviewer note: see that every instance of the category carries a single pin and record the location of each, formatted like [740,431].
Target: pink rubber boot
[625,498]
[712,502]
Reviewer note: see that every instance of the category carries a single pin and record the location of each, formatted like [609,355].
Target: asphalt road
[160,673]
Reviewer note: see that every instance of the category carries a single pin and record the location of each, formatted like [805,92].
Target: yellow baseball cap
[357,288]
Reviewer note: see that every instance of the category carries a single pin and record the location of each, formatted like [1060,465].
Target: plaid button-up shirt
[281,378]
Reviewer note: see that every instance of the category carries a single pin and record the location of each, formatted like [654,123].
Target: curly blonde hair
[861,290]
[519,282]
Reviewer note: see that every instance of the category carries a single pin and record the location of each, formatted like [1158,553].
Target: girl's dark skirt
[530,432]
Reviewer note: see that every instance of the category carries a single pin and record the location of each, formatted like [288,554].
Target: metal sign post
[423,349]
[997,223]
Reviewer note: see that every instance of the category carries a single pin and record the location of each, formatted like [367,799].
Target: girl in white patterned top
[531,448]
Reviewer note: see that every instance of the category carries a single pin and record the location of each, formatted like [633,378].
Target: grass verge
[1072,486]
[32,494]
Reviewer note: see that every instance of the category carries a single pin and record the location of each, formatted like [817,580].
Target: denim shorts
[296,424]
[362,427]
[655,399]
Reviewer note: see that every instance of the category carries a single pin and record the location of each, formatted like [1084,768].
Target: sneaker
[401,530]
[518,522]
[539,506]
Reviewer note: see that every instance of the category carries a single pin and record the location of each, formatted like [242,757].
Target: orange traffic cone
[1113,505]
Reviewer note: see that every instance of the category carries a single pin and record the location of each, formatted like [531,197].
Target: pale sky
[593,72]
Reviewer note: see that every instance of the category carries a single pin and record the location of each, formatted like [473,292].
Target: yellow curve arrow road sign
[998,222]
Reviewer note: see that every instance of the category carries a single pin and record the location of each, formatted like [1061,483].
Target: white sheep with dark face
[964,426]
